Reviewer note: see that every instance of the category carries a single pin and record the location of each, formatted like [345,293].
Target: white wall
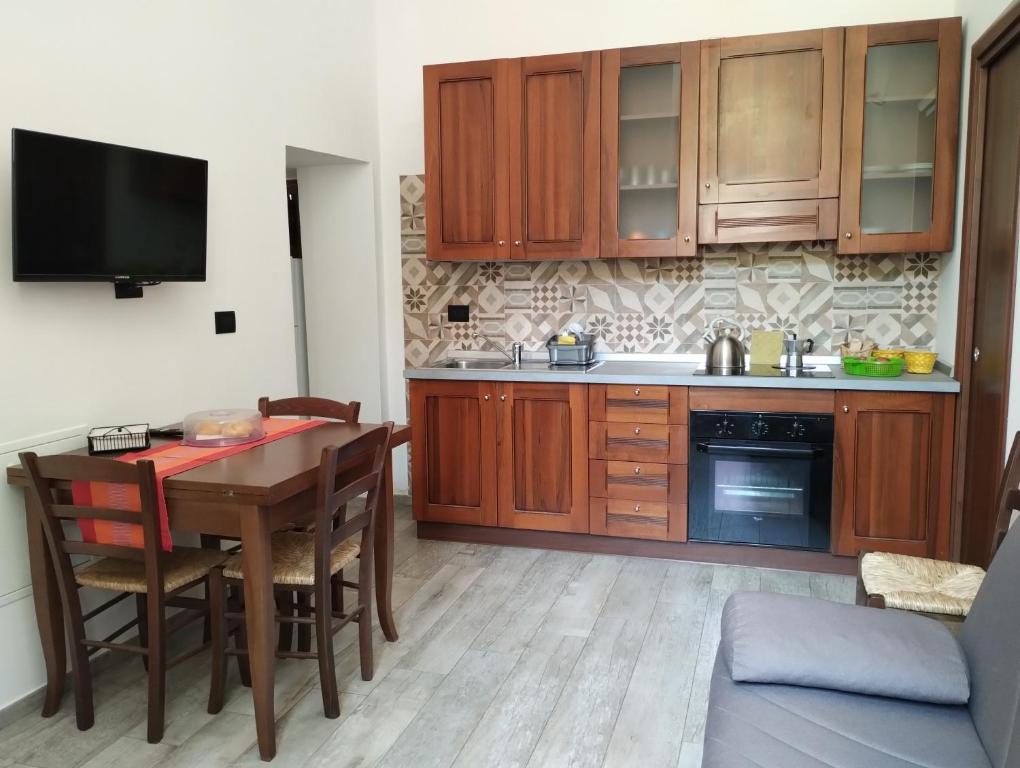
[341,284]
[411,35]
[233,82]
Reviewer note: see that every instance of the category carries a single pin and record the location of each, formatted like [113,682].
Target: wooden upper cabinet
[893,473]
[453,451]
[900,115]
[770,133]
[467,161]
[543,456]
[554,156]
[650,150]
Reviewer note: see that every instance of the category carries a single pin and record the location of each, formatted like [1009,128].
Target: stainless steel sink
[478,365]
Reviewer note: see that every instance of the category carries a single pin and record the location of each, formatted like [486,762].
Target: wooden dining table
[246,496]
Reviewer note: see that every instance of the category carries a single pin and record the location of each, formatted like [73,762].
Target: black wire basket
[129,437]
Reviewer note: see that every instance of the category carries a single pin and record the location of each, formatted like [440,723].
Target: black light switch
[226,322]
[457,313]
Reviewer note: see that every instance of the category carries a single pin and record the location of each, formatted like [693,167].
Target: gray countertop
[683,373]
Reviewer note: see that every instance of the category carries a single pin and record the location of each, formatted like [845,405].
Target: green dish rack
[857,367]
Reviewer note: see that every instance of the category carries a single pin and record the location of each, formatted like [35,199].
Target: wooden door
[901,104]
[893,473]
[770,117]
[467,159]
[543,450]
[554,157]
[987,278]
[650,150]
[453,451]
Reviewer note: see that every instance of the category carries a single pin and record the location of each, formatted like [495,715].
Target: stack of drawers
[637,468]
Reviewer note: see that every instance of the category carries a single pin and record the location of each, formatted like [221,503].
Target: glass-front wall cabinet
[649,190]
[900,137]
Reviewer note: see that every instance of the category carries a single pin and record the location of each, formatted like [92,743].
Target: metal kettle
[725,354]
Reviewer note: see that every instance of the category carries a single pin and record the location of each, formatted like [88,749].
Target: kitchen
[680,300]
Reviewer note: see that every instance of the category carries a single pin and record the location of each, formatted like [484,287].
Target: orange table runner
[170,459]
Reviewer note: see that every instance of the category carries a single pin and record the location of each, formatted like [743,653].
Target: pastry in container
[225,426]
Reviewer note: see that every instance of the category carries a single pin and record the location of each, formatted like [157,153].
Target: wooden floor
[507,657]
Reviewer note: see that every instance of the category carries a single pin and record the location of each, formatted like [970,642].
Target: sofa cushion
[779,726]
[785,639]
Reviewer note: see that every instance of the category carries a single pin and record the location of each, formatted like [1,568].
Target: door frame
[1003,32]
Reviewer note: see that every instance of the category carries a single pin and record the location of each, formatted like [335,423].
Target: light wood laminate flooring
[507,657]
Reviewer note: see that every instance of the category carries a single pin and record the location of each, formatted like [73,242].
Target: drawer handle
[637,430]
[637,470]
[637,507]
[637,390]
[486,397]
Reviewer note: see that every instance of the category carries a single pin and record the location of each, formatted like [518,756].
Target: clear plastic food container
[226,426]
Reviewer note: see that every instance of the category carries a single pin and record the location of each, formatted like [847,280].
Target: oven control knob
[796,430]
[759,428]
[724,428]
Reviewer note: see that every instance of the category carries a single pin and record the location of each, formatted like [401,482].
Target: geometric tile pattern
[663,305]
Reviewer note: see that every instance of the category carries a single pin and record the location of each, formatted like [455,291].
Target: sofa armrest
[788,640]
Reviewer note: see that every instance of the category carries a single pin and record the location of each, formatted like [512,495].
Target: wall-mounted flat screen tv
[84,210]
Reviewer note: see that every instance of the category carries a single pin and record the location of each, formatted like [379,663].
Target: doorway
[297,282]
[987,281]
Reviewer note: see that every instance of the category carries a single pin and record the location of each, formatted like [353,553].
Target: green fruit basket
[857,367]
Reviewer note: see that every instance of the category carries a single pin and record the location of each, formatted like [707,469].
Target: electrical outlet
[226,322]
[457,313]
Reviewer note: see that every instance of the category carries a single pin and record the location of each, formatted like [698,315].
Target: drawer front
[632,519]
[638,480]
[633,441]
[636,403]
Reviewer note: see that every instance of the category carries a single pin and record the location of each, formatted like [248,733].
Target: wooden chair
[306,562]
[937,588]
[316,408]
[157,578]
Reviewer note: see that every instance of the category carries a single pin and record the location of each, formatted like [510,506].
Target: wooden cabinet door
[554,157]
[453,451]
[901,109]
[650,150]
[893,473]
[770,117]
[467,161]
[543,457]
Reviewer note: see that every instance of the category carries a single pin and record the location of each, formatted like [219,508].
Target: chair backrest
[359,465]
[46,473]
[312,407]
[991,642]
[1008,498]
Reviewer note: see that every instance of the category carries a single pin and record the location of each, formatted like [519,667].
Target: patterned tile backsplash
[663,305]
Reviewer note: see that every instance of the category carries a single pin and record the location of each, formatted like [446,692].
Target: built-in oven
[761,478]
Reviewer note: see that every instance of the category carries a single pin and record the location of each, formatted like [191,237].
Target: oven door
[771,493]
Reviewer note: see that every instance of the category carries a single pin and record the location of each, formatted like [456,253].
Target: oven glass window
[744,487]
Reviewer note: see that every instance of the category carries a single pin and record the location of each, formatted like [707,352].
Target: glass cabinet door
[900,137]
[900,102]
[649,183]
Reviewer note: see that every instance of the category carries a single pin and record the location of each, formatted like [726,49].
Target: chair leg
[365,619]
[324,650]
[157,668]
[285,605]
[304,631]
[241,638]
[81,672]
[143,626]
[217,628]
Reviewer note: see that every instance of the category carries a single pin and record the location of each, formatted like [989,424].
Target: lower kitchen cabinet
[453,451]
[893,473]
[512,454]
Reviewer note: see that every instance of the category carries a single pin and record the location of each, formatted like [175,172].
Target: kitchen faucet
[514,356]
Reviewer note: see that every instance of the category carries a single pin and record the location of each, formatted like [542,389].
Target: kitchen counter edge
[681,374]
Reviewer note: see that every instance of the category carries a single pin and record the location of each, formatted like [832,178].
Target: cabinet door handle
[687,238]
[486,397]
[502,397]
[848,235]
[708,185]
[501,243]
[517,243]
[846,409]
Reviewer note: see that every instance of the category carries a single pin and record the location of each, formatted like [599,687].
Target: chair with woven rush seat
[938,588]
[156,577]
[306,562]
[316,408]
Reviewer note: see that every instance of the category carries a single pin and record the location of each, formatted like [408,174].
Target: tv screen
[84,210]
